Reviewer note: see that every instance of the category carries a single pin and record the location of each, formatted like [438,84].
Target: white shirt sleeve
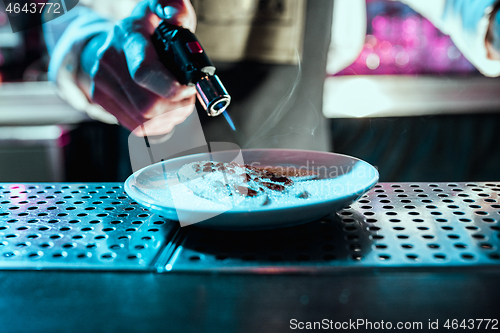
[466,22]
[65,37]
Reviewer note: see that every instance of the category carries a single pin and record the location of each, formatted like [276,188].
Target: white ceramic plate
[341,180]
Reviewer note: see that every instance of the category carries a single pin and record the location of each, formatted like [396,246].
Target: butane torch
[180,51]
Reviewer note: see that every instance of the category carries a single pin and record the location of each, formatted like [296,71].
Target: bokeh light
[400,41]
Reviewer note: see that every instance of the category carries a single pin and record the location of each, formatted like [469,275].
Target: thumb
[176,12]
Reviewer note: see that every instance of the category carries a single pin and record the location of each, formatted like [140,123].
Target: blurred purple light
[400,41]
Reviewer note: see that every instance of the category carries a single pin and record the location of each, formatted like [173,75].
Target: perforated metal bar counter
[96,226]
[85,258]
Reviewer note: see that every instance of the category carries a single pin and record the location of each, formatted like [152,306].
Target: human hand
[126,77]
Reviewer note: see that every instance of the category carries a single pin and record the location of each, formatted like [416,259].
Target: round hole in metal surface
[59,255]
[488,220]
[480,212]
[91,246]
[108,256]
[386,207]
[382,196]
[69,245]
[371,220]
[475,206]
[467,256]
[33,236]
[364,201]
[146,238]
[35,255]
[56,236]
[102,215]
[384,257]
[490,200]
[395,220]
[479,236]
[70,208]
[376,237]
[101,237]
[373,228]
[406,201]
[453,236]
[140,247]
[65,229]
[130,229]
[402,195]
[460,245]
[418,220]
[407,246]
[433,246]
[122,215]
[436,213]
[12,236]
[46,245]
[133,256]
[494,256]
[391,213]
[43,214]
[428,236]
[486,246]
[94,222]
[463,195]
[53,221]
[398,228]
[472,227]
[447,228]
[159,222]
[403,236]
[125,237]
[82,214]
[412,256]
[23,214]
[116,246]
[33,208]
[496,228]
[87,229]
[431,207]
[22,228]
[10,254]
[84,255]
[23,244]
[108,229]
[3,228]
[156,229]
[440,256]
[77,237]
[137,222]
[465,220]
[422,228]
[116,222]
[418,190]
[380,246]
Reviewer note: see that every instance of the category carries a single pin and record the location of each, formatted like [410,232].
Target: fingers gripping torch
[180,52]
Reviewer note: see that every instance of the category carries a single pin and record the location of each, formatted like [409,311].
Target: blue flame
[229,120]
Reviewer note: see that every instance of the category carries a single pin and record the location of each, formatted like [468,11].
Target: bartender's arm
[97,62]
